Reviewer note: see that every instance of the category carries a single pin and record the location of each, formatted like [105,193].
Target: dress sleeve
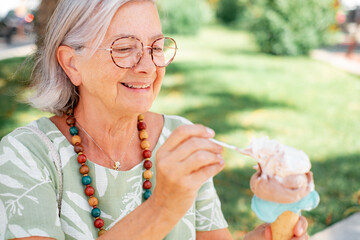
[208,209]
[28,181]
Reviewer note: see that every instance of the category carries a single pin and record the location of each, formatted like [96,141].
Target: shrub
[290,27]
[183,16]
[228,11]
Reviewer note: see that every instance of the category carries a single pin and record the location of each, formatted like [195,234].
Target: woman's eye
[157,49]
[123,49]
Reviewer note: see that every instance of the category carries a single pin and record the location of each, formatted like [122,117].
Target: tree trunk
[43,15]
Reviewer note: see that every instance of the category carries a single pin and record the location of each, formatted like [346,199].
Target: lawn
[219,79]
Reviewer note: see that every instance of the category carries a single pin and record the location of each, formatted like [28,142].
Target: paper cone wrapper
[283,227]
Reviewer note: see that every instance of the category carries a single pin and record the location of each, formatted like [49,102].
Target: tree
[43,15]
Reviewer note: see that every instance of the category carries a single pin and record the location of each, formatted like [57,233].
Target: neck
[112,133]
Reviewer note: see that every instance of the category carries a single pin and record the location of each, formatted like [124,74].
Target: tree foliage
[282,27]
[183,16]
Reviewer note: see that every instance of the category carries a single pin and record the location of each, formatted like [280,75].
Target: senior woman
[99,72]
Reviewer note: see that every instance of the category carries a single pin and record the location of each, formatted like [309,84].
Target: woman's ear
[67,59]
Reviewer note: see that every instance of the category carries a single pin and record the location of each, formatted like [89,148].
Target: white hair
[74,23]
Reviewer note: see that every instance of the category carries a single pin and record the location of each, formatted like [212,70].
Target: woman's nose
[146,63]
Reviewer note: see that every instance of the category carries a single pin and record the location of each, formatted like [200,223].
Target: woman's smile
[137,86]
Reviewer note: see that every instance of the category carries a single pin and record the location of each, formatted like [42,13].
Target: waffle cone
[283,227]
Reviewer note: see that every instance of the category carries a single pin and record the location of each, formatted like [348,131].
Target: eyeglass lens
[127,52]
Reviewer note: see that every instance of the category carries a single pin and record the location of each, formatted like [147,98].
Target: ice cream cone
[283,227]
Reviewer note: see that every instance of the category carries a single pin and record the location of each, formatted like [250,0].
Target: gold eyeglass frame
[142,51]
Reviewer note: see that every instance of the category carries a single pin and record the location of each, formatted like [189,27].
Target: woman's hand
[264,231]
[183,163]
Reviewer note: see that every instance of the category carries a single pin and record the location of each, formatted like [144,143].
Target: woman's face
[119,90]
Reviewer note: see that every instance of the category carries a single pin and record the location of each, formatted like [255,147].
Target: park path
[19,48]
[335,56]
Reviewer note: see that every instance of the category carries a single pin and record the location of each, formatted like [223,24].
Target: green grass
[220,79]
[14,78]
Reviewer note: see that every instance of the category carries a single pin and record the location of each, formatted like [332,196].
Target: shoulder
[25,134]
[24,143]
[172,121]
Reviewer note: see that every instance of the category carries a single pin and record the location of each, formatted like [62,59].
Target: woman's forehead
[138,19]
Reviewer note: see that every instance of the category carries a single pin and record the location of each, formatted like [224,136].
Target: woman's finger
[300,228]
[203,174]
[199,160]
[262,232]
[185,132]
[193,145]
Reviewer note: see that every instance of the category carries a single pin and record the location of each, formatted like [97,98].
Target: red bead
[89,191]
[147,164]
[81,158]
[147,154]
[141,126]
[147,184]
[99,223]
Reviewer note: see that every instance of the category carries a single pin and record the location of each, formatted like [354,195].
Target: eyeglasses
[126,52]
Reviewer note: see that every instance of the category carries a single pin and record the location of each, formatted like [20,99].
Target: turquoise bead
[96,212]
[74,131]
[147,194]
[86,180]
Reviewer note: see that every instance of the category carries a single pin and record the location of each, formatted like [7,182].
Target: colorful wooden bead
[141,117]
[70,121]
[78,148]
[101,232]
[143,135]
[89,191]
[148,174]
[74,131]
[99,223]
[81,158]
[147,194]
[141,126]
[95,212]
[69,112]
[147,164]
[145,144]
[84,169]
[93,201]
[86,180]
[147,153]
[76,140]
[147,184]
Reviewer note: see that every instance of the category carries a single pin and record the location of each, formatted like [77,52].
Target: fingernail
[222,160]
[210,132]
[300,231]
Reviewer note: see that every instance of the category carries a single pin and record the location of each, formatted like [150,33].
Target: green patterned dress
[29,184]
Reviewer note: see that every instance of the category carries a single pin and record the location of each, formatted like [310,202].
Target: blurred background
[289,70]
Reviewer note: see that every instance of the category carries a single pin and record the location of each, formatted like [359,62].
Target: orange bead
[84,169]
[148,174]
[141,118]
[76,140]
[143,135]
[145,144]
[93,201]
[102,231]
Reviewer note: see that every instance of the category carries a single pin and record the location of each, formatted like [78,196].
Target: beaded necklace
[84,169]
